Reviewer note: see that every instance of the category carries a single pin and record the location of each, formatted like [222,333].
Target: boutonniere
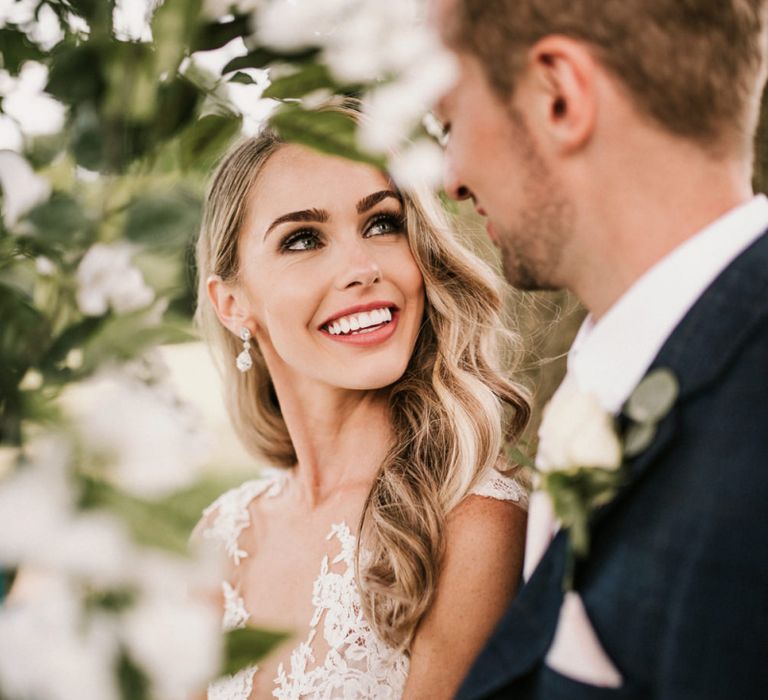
[581,459]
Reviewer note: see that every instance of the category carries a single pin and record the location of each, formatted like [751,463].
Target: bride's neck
[340,438]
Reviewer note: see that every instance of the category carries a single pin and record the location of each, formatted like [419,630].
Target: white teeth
[360,323]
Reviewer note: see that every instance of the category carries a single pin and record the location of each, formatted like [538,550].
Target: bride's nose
[357,267]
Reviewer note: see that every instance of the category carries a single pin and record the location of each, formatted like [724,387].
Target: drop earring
[244,361]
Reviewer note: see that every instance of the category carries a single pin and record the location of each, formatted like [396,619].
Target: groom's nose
[453,185]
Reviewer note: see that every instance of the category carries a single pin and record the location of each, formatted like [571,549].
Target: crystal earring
[244,361]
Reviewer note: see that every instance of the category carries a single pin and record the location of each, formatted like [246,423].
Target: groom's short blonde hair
[695,66]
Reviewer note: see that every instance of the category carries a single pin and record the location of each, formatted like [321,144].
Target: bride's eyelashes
[385,222]
[305,238]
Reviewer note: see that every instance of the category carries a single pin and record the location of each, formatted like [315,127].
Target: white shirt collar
[610,357]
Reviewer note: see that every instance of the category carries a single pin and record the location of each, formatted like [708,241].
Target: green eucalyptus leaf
[247,646]
[654,396]
[328,132]
[313,76]
[638,438]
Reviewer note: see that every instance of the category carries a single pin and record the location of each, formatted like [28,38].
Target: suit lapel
[711,335]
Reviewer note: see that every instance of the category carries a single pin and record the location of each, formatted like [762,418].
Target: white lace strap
[494,484]
[228,514]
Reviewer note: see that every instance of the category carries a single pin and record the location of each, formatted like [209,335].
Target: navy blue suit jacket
[676,581]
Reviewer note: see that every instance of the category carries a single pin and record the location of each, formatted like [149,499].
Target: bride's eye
[385,223]
[304,239]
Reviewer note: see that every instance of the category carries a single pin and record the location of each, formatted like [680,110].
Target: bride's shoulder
[224,520]
[511,485]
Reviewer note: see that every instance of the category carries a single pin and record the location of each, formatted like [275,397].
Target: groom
[609,145]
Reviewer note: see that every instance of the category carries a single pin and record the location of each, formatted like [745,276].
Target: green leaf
[654,396]
[243,78]
[75,75]
[164,221]
[16,49]
[328,132]
[206,140]
[313,76]
[132,681]
[60,221]
[87,139]
[149,523]
[174,26]
[247,646]
[74,336]
[519,457]
[261,57]
[638,438]
[216,34]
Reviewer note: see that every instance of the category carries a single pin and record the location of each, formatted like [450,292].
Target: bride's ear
[230,305]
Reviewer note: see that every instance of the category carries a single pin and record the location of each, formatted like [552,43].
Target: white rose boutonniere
[580,462]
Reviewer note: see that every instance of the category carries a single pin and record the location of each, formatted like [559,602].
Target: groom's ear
[561,93]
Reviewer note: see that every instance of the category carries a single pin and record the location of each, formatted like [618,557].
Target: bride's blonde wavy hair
[452,410]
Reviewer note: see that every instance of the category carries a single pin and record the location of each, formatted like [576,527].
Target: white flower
[418,165]
[22,188]
[35,503]
[177,642]
[106,278]
[576,432]
[36,113]
[156,443]
[47,650]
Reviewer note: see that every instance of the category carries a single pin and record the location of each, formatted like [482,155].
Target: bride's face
[327,273]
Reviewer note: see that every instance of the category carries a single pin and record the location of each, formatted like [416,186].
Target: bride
[361,348]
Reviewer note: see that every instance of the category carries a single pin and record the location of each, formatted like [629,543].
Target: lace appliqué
[358,664]
[240,685]
[496,485]
[231,512]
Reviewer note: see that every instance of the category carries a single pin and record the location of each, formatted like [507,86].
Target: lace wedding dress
[357,663]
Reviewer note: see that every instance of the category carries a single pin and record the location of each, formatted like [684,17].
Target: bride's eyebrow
[317,215]
[372,200]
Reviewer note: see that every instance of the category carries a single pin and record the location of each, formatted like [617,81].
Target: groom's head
[546,86]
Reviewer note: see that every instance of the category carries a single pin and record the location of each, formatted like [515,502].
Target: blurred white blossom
[22,188]
[44,29]
[130,20]
[156,443]
[34,111]
[48,650]
[387,46]
[106,278]
[177,641]
[417,165]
